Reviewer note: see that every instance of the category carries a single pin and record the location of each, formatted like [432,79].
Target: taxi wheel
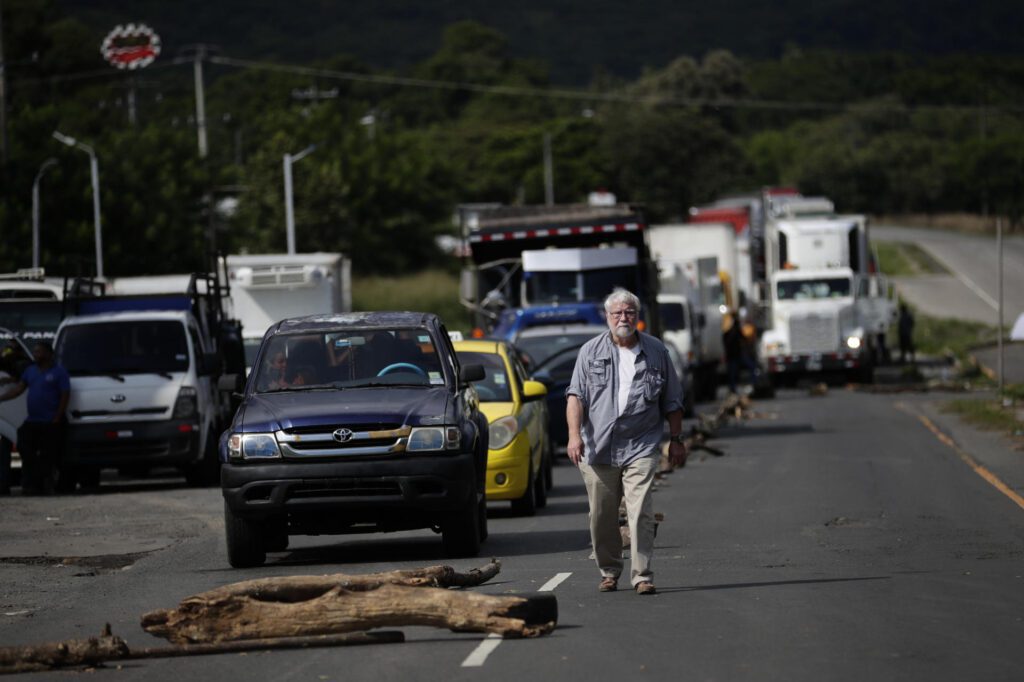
[527,504]
[541,489]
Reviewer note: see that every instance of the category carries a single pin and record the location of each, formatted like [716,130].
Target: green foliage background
[878,132]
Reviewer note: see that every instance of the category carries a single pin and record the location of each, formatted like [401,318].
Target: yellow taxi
[519,458]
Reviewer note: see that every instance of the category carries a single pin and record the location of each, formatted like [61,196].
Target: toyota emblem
[117,398]
[343,435]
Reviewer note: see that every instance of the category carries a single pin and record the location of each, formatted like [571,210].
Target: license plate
[814,363]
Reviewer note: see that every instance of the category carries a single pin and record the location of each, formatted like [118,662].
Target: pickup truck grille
[814,333]
[342,442]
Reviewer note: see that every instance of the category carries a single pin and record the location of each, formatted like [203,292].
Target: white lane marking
[981,293]
[482,651]
[550,585]
[485,648]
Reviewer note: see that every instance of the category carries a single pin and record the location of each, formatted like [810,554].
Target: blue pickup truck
[355,423]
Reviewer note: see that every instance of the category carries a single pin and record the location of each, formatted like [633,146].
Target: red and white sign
[131,46]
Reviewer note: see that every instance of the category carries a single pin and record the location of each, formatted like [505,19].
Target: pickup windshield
[811,289]
[127,347]
[347,358]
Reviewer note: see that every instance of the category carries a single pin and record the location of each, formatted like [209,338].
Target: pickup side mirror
[230,383]
[534,390]
[209,364]
[470,373]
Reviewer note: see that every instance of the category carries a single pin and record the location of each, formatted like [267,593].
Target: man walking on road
[623,388]
[41,436]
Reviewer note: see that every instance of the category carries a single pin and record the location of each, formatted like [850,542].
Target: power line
[542,92]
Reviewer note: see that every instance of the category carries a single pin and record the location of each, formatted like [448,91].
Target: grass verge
[989,414]
[906,259]
[430,291]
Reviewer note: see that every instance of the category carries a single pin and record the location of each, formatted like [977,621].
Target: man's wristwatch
[678,438]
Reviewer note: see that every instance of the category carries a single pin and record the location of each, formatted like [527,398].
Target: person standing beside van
[41,436]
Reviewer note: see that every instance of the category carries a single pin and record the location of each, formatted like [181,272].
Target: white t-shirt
[627,370]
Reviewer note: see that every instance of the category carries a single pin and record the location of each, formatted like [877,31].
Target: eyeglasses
[628,312]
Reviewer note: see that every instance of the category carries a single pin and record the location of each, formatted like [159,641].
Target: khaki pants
[606,485]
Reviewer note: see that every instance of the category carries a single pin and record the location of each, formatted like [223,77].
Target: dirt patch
[106,563]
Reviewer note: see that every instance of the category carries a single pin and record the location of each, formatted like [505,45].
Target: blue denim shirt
[656,392]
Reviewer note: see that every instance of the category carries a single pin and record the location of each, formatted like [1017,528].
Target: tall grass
[430,291]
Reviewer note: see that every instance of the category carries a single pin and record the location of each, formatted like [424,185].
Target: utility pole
[549,173]
[999,278]
[3,92]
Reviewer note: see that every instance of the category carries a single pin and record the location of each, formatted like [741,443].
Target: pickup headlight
[185,406]
[253,446]
[433,438]
[501,432]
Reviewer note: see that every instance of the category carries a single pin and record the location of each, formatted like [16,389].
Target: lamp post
[49,163]
[289,207]
[94,169]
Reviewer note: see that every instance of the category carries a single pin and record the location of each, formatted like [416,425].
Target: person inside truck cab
[273,375]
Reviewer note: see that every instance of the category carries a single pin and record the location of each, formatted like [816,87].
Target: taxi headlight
[253,446]
[502,431]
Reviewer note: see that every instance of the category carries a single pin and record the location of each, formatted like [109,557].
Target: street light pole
[289,207]
[49,163]
[94,169]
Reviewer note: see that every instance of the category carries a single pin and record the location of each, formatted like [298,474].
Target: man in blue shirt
[41,436]
[623,389]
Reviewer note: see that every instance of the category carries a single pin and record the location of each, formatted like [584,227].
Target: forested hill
[574,38]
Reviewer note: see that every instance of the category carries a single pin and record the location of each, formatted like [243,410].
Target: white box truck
[267,288]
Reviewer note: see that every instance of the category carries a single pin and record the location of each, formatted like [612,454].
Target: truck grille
[814,333]
[342,441]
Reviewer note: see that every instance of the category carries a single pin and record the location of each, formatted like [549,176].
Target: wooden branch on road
[232,617]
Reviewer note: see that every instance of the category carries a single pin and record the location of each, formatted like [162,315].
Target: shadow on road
[766,430]
[771,583]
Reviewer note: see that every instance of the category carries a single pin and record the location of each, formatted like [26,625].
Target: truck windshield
[588,285]
[346,358]
[128,347]
[31,320]
[672,316]
[810,289]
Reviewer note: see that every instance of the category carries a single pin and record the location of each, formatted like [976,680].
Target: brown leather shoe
[608,585]
[646,587]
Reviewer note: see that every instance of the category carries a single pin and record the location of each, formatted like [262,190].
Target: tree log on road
[302,588]
[230,616]
[72,652]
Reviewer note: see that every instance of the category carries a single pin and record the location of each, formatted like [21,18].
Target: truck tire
[460,531]
[245,540]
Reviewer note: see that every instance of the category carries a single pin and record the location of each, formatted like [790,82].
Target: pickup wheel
[527,504]
[246,546]
[460,531]
[482,517]
[277,535]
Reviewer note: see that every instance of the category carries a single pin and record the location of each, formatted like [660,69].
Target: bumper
[512,463]
[336,496]
[173,443]
[806,363]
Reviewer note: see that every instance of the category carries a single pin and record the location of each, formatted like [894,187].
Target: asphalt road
[971,290]
[819,547]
